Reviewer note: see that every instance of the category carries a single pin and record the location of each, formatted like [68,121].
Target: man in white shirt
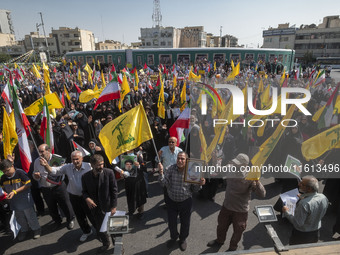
[74,173]
[54,190]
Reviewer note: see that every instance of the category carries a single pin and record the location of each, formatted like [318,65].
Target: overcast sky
[122,20]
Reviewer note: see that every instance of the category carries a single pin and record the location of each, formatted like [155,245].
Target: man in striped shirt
[180,199]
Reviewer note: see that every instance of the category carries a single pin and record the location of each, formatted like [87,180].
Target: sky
[122,20]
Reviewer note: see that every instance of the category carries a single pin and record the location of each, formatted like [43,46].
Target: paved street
[148,236]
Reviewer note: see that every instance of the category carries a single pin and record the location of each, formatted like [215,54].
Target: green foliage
[4,57]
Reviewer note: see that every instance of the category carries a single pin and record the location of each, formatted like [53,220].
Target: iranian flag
[182,122]
[325,114]
[110,92]
[7,98]
[77,147]
[320,78]
[46,131]
[113,74]
[22,126]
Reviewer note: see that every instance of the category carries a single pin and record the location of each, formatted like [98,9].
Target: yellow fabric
[267,147]
[66,93]
[261,87]
[89,71]
[9,135]
[184,97]
[161,102]
[36,72]
[136,80]
[125,132]
[89,94]
[203,145]
[194,77]
[103,80]
[80,78]
[283,78]
[174,82]
[317,145]
[52,100]
[265,97]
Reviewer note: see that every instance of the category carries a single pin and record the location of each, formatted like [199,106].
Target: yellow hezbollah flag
[231,75]
[89,94]
[203,145]
[125,132]
[174,81]
[183,97]
[161,102]
[194,77]
[317,145]
[265,97]
[36,72]
[125,89]
[52,100]
[10,137]
[261,87]
[267,147]
[80,78]
[103,80]
[136,80]
[89,71]
[66,93]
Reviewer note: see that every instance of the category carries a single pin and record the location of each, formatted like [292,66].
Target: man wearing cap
[236,204]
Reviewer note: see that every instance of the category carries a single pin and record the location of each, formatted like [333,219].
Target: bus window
[271,58]
[235,57]
[150,60]
[165,59]
[89,59]
[183,59]
[201,57]
[139,60]
[119,60]
[219,58]
[81,60]
[280,58]
[100,59]
[261,57]
[109,59]
[248,58]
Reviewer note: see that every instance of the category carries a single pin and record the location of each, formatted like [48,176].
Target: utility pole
[47,49]
[220,36]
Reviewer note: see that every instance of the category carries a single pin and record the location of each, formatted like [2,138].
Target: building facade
[160,37]
[73,39]
[192,37]
[37,42]
[321,40]
[7,37]
[108,45]
[282,37]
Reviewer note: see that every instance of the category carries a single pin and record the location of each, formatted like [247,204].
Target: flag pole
[154,145]
[35,144]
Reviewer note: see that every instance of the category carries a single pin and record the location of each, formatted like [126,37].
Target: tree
[4,57]
[308,58]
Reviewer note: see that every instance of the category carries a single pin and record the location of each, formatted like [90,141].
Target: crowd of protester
[79,122]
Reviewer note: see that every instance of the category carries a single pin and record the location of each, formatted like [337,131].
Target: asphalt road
[149,236]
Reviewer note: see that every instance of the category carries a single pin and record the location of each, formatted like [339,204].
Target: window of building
[235,57]
[219,58]
[63,43]
[165,59]
[169,43]
[67,35]
[201,57]
[148,44]
[76,35]
[106,47]
[150,60]
[101,47]
[163,44]
[76,43]
[183,58]
[100,59]
[109,59]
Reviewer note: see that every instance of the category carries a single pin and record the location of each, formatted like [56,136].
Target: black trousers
[299,237]
[81,210]
[183,210]
[55,196]
[38,201]
[98,216]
